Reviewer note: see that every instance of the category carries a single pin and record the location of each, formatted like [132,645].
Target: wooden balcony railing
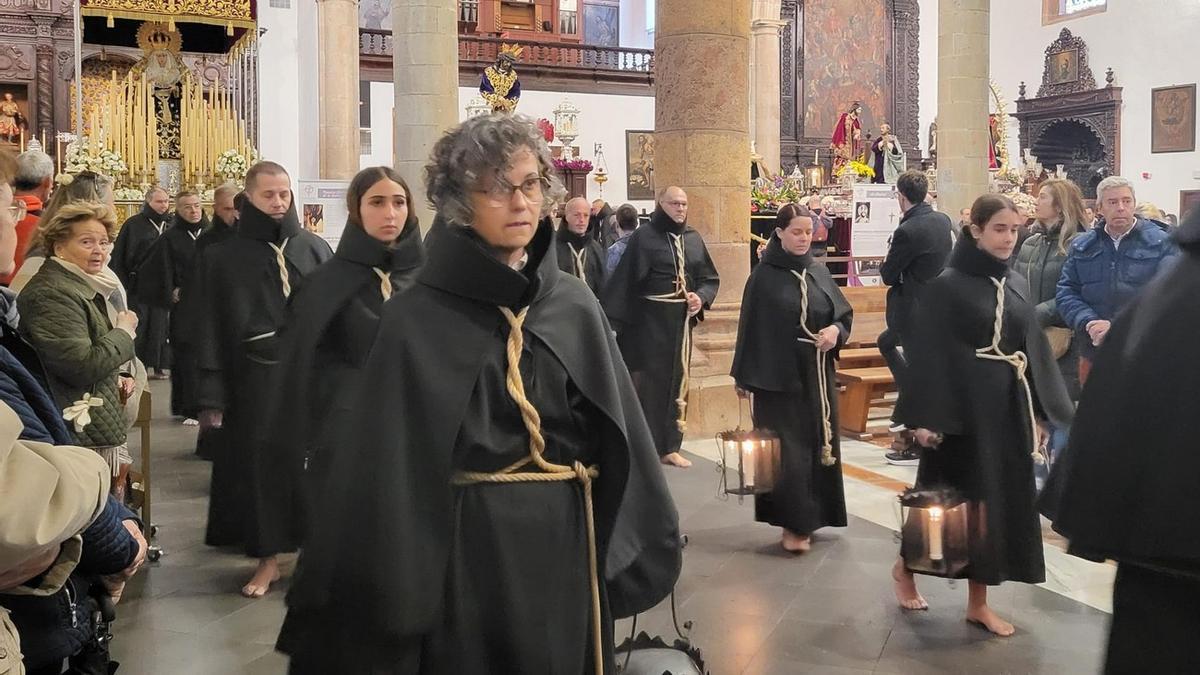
[621,63]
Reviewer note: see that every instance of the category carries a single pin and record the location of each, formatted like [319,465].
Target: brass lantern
[814,174]
[755,457]
[934,532]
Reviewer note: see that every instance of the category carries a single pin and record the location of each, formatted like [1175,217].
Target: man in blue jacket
[1108,265]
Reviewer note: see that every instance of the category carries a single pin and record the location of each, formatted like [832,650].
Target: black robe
[331,324]
[981,408]
[170,265]
[216,233]
[138,234]
[781,372]
[242,305]
[651,333]
[406,573]
[567,244]
[1125,489]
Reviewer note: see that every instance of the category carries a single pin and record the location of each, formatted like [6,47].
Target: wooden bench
[860,357]
[858,390]
[144,417]
[870,308]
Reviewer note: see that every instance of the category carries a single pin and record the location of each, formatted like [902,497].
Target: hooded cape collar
[461,265]
[577,240]
[152,215]
[774,255]
[195,228]
[969,259]
[663,223]
[358,247]
[255,224]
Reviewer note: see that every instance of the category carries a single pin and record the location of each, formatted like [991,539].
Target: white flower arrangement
[128,194]
[1026,205]
[106,162]
[232,165]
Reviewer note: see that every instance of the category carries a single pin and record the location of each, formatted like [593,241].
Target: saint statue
[164,71]
[847,143]
[499,85]
[887,157]
[11,119]
[994,159]
[933,139]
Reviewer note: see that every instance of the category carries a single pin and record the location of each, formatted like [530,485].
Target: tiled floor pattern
[754,609]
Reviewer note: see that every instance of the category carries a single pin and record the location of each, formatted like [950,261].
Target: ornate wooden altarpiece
[36,46]
[876,44]
[1072,122]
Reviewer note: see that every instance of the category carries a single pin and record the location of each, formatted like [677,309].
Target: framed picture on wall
[639,164]
[1064,66]
[1189,200]
[601,25]
[1173,119]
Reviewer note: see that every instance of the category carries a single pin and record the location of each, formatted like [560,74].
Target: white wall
[309,93]
[633,25]
[927,86]
[279,87]
[604,119]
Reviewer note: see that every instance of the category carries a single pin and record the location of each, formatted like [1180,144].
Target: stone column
[337,27]
[764,80]
[963,34]
[45,91]
[425,49]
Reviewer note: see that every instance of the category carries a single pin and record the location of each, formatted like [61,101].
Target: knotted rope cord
[548,471]
[827,458]
[580,257]
[282,262]
[679,295]
[385,283]
[1018,360]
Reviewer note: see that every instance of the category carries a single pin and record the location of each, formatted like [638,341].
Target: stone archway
[1078,148]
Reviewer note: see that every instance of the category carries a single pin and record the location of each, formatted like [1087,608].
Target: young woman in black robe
[1125,489]
[984,384]
[246,281]
[654,302]
[166,282]
[332,320]
[495,427]
[794,320]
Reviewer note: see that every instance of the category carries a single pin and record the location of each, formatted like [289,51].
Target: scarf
[105,282]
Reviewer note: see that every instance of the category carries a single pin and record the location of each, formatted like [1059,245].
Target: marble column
[765,28]
[337,26]
[426,77]
[701,124]
[963,35]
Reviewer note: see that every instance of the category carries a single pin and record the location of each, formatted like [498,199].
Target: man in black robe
[1125,489]
[166,281]
[656,296]
[578,253]
[133,243]
[246,281]
[227,199]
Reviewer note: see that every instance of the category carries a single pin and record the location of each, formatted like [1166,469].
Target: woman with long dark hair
[984,383]
[794,320]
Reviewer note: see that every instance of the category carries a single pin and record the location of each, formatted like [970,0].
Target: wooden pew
[862,374]
[858,390]
[860,357]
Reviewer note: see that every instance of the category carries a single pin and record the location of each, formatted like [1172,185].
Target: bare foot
[796,543]
[985,617]
[266,574]
[906,588]
[676,459]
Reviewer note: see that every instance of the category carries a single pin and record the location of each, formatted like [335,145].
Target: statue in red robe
[847,143]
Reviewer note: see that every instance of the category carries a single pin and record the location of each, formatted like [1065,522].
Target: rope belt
[385,283]
[547,472]
[679,295]
[827,457]
[282,262]
[580,261]
[1018,360]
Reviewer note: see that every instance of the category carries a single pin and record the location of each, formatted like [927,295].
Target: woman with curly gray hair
[510,499]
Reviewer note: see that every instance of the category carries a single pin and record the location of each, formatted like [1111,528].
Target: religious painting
[862,212]
[14,113]
[1064,66]
[1189,200]
[1173,119]
[601,25]
[314,218]
[639,165]
[375,14]
[847,48]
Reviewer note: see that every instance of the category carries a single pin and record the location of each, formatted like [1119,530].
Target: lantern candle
[748,457]
[935,534]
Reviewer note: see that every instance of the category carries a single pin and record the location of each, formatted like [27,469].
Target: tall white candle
[935,534]
[748,457]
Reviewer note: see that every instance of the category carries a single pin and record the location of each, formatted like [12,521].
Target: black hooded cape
[593,256]
[387,577]
[650,333]
[781,372]
[331,324]
[216,233]
[241,307]
[980,407]
[138,234]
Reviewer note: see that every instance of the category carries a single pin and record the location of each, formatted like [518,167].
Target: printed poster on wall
[875,214]
[321,205]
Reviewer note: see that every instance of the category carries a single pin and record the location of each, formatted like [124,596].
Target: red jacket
[25,229]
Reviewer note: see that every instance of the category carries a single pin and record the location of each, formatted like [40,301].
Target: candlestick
[935,534]
[22,140]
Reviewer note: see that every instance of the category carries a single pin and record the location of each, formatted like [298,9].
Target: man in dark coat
[166,282]
[246,281]
[579,254]
[655,297]
[133,243]
[1125,489]
[919,249]
[227,199]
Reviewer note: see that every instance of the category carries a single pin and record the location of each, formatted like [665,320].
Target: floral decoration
[770,194]
[573,165]
[547,129]
[232,165]
[863,170]
[79,159]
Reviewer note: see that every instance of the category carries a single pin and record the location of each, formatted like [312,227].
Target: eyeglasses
[18,211]
[501,191]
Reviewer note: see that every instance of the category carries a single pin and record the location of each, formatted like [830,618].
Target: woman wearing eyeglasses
[499,500]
